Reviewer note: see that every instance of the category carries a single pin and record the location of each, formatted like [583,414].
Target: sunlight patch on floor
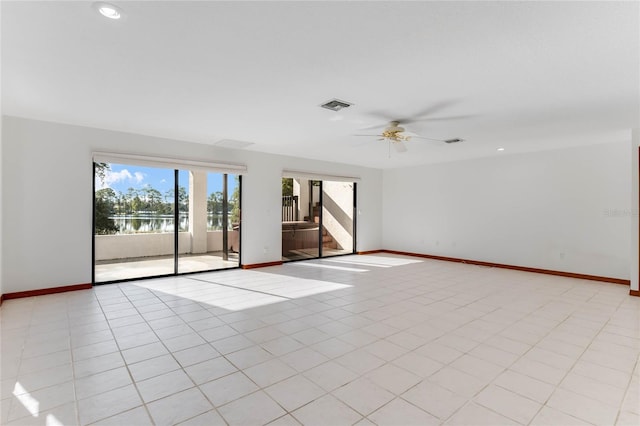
[240,289]
[322,265]
[51,420]
[376,261]
[30,403]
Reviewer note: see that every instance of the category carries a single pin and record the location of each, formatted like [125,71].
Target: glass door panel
[337,218]
[211,212]
[300,219]
[134,222]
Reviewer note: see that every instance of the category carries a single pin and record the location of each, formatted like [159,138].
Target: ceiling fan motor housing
[394,127]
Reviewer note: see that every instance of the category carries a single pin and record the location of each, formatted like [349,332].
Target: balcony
[127,256]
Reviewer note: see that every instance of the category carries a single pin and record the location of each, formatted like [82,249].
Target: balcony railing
[290,208]
[126,246]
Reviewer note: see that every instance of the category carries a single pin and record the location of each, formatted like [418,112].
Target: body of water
[134,224]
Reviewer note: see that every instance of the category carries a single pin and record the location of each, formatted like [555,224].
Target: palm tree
[214,201]
[130,195]
[155,197]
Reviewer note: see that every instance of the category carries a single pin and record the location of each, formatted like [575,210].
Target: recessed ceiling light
[500,149]
[108,10]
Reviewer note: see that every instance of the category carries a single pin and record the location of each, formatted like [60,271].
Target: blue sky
[121,177]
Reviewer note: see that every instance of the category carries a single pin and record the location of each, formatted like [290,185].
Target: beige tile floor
[378,339]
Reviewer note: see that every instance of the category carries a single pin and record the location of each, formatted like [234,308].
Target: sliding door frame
[176,219]
[354,224]
[311,181]
[93,224]
[320,221]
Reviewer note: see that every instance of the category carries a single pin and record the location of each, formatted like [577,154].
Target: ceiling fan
[397,136]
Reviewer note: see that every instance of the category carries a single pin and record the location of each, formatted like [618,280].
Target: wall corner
[635,211]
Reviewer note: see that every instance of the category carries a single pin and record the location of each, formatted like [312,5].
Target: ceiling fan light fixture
[500,149]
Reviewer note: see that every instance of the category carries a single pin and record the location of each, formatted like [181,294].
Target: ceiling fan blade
[377,126]
[400,146]
[450,117]
[382,115]
[387,118]
[429,139]
[360,142]
[431,110]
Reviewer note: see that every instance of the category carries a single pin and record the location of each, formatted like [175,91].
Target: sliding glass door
[212,222]
[338,213]
[318,218]
[154,221]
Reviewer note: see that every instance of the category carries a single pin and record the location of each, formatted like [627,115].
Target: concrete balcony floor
[123,269]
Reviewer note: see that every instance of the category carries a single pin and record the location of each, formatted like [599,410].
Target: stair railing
[289,208]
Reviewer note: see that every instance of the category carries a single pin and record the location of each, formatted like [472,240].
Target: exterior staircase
[327,240]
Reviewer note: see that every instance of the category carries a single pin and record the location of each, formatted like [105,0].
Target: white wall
[47,198]
[553,210]
[1,174]
[635,213]
[561,210]
[1,198]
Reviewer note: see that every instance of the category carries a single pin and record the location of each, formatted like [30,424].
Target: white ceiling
[523,75]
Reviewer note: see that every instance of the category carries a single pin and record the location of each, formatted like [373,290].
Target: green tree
[136,204]
[144,197]
[108,195]
[120,203]
[214,202]
[101,170]
[155,200]
[287,187]
[183,199]
[105,199]
[104,225]
[129,196]
[234,201]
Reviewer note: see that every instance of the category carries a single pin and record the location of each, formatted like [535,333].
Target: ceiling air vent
[335,105]
[456,140]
